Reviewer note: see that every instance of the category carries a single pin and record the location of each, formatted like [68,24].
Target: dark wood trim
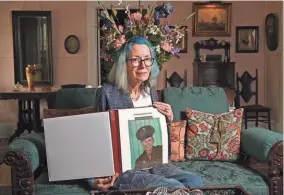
[276,169]
[22,174]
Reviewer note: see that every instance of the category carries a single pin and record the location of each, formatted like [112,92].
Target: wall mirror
[32,39]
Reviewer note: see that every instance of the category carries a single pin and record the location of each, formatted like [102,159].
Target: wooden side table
[28,109]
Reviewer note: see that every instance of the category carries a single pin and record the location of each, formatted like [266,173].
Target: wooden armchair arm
[21,170]
[275,172]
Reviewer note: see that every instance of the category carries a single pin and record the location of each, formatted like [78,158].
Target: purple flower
[175,51]
[167,28]
[162,11]
[129,23]
[104,19]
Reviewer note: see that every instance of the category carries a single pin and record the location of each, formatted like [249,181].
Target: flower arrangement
[145,23]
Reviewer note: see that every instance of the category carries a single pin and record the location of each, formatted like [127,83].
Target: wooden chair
[175,80]
[251,112]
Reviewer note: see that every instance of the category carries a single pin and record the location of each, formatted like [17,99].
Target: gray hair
[118,74]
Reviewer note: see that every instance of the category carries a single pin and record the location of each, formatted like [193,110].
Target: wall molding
[92,46]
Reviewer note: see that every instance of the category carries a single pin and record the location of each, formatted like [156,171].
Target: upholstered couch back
[75,98]
[210,100]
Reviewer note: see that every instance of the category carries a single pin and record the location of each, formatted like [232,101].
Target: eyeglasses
[136,62]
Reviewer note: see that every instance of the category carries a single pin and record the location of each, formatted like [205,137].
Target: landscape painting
[212,19]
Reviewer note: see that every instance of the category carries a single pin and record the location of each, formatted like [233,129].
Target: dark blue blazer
[110,97]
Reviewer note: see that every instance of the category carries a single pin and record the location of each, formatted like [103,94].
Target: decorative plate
[72,44]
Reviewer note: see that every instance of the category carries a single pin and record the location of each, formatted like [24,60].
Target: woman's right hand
[104,183]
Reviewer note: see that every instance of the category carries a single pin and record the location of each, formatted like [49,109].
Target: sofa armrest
[257,142]
[275,173]
[34,146]
[21,169]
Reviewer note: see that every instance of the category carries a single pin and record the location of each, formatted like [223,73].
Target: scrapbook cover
[101,144]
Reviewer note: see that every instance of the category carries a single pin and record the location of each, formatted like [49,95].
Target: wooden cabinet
[217,71]
[214,74]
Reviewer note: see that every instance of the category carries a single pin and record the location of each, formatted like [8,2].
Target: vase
[30,74]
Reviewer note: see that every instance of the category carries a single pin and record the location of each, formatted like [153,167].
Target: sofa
[259,146]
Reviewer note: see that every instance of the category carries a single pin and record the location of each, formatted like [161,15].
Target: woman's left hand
[165,109]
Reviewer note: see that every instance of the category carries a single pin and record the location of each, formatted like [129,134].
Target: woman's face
[138,71]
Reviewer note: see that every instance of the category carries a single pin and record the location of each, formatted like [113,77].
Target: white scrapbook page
[143,137]
[79,146]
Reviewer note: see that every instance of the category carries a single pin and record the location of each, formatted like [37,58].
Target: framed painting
[247,39]
[211,19]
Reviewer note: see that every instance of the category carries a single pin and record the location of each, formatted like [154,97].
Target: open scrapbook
[104,143]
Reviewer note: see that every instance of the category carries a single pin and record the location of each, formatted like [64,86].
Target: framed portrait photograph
[144,133]
[211,19]
[247,39]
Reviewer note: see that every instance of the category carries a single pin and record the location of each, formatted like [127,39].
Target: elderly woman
[131,80]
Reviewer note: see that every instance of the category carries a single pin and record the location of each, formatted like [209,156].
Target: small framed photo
[182,44]
[247,39]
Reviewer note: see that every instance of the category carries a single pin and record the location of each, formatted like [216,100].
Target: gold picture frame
[211,19]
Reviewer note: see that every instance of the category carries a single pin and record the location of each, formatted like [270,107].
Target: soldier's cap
[145,132]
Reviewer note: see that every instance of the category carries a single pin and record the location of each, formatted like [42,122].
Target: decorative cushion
[177,135]
[213,136]
[51,113]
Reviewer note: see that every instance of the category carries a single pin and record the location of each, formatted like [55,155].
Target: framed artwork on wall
[247,39]
[211,19]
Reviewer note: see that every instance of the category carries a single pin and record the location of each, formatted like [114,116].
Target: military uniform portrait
[146,150]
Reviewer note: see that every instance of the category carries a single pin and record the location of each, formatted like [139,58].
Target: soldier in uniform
[152,155]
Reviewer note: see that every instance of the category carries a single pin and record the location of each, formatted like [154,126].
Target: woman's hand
[104,183]
[165,109]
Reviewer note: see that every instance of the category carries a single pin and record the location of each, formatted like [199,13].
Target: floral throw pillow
[213,137]
[177,136]
[52,113]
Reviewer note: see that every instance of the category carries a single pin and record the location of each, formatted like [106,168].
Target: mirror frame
[18,51]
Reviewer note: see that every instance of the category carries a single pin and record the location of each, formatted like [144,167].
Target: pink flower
[146,17]
[166,46]
[120,28]
[119,42]
[136,16]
